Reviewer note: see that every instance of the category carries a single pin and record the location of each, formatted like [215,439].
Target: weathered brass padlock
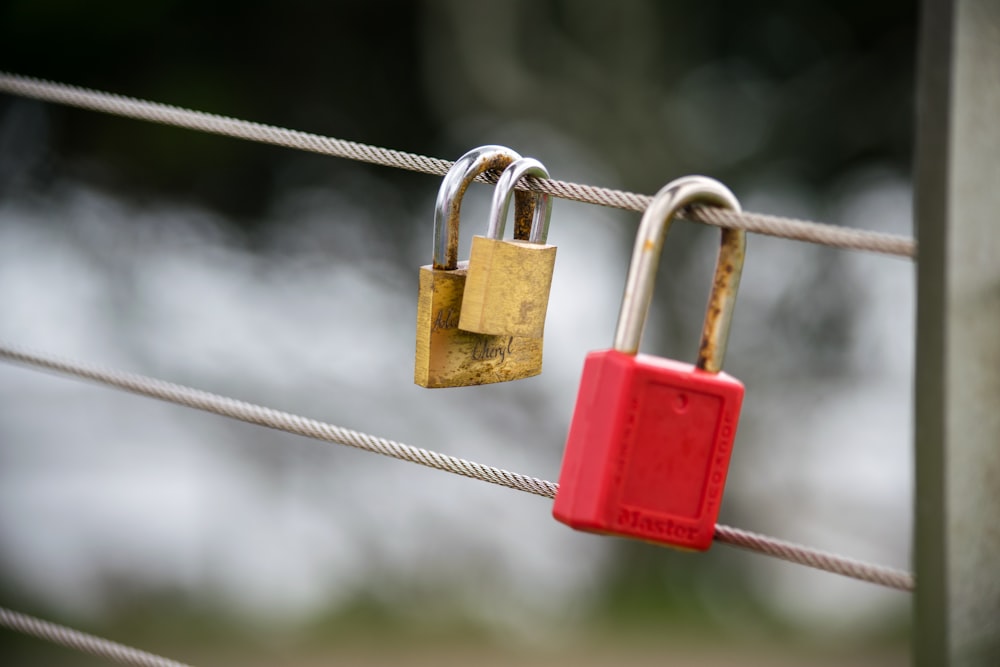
[507,289]
[446,356]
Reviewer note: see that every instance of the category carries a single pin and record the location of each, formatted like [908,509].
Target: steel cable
[81,641]
[311,428]
[801,230]
[770,225]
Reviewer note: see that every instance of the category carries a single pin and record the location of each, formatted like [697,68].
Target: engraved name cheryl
[484,348]
[487,347]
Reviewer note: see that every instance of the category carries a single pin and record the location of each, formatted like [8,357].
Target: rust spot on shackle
[485,159]
[722,300]
[524,210]
[666,204]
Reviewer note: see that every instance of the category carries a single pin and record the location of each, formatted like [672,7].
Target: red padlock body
[648,449]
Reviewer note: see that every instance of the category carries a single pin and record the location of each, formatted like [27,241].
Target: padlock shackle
[542,204]
[449,199]
[667,203]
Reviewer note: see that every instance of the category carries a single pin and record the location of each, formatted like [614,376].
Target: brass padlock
[446,356]
[507,289]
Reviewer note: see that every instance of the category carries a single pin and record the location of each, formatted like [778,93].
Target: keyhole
[680,402]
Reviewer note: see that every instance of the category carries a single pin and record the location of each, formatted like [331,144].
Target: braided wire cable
[820,560]
[311,428]
[81,641]
[120,105]
[281,421]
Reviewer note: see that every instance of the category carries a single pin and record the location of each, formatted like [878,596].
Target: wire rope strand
[129,107]
[311,428]
[820,560]
[81,641]
[281,421]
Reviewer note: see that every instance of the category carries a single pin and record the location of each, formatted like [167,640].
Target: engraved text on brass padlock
[447,356]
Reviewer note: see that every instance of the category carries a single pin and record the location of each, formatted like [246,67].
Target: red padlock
[649,445]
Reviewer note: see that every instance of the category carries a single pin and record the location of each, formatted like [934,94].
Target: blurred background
[290,279]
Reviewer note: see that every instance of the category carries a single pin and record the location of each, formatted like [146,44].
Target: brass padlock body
[507,290]
[447,356]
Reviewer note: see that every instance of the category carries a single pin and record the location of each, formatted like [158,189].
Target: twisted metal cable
[796,553]
[81,641]
[311,428]
[278,420]
[771,225]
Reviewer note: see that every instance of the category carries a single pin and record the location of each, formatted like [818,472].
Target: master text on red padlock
[648,449]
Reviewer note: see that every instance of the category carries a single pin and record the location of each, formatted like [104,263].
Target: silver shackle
[449,198]
[671,199]
[526,166]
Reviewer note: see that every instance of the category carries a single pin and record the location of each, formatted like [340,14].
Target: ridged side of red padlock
[648,449]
